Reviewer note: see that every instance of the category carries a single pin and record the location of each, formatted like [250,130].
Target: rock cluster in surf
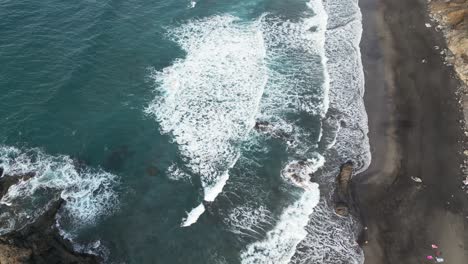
[39,241]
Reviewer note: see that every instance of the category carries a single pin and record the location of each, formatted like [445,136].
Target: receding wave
[89,193]
[328,239]
[280,243]
[286,74]
[249,220]
[289,97]
[332,239]
[347,83]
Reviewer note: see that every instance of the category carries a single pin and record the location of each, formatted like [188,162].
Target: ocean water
[204,131]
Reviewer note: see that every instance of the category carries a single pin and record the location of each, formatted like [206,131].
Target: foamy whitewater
[209,99]
[88,193]
[226,121]
[236,72]
[331,239]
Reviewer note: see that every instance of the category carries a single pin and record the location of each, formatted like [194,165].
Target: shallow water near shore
[159,100]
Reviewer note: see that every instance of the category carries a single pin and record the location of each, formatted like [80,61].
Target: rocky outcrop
[7,181]
[452,16]
[342,195]
[267,128]
[40,241]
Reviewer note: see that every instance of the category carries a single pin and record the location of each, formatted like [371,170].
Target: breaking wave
[329,239]
[89,193]
[208,100]
[280,243]
[301,46]
[289,75]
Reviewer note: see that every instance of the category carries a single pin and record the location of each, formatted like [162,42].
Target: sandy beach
[415,133]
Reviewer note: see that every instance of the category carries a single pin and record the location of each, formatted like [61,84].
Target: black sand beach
[415,131]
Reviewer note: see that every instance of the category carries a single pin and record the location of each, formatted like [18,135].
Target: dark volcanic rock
[40,242]
[7,181]
[342,193]
[267,128]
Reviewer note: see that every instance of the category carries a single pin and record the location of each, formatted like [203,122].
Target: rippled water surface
[201,131]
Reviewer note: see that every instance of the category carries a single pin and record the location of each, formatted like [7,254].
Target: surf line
[210,193]
[209,196]
[199,111]
[209,99]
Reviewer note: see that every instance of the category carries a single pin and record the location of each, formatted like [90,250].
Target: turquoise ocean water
[141,115]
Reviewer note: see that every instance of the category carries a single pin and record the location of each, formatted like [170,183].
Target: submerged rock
[117,158]
[261,125]
[267,128]
[152,170]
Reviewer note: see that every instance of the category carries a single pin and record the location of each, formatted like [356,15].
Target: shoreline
[39,241]
[415,130]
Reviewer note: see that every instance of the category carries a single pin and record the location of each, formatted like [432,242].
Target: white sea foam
[95,248]
[290,92]
[89,193]
[331,239]
[192,4]
[298,77]
[280,243]
[208,100]
[249,220]
[347,83]
[300,172]
[193,216]
[177,174]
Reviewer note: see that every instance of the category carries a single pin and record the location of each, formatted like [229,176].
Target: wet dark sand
[414,131]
